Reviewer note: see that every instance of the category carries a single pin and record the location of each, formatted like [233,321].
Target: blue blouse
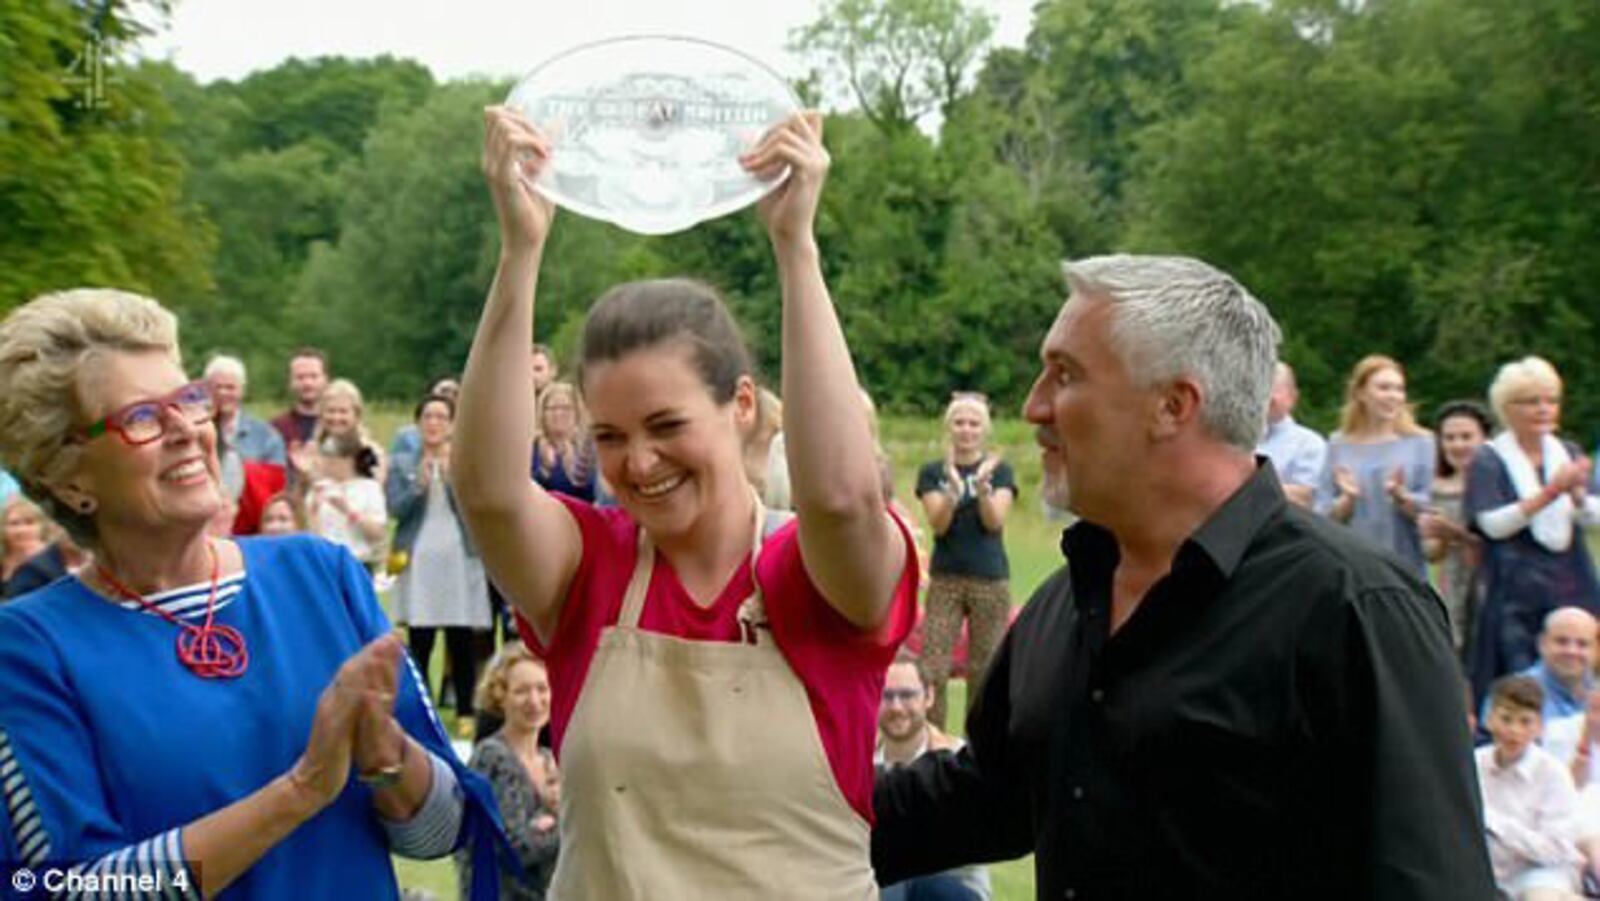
[1375,514]
[109,746]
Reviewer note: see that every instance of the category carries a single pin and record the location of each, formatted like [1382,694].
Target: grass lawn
[1031,543]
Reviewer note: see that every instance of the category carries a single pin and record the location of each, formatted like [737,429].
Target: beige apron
[694,770]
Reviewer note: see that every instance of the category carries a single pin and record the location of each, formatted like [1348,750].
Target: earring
[86,506]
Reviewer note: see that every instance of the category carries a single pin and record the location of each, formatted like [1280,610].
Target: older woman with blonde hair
[516,690]
[1378,474]
[1527,496]
[190,708]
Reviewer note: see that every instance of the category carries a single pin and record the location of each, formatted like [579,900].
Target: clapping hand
[1345,480]
[984,477]
[341,730]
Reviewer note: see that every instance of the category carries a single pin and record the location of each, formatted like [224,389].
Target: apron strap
[752,612]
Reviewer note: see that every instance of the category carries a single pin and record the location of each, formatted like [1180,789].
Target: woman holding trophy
[715,669]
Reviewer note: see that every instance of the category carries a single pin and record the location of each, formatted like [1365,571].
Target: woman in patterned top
[517,688]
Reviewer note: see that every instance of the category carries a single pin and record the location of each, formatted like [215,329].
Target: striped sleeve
[156,861]
[432,831]
[53,807]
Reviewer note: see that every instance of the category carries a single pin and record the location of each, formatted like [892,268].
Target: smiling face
[527,700]
[24,530]
[1567,645]
[434,424]
[1534,413]
[559,416]
[1383,395]
[1459,438]
[671,453]
[967,431]
[169,483]
[1092,421]
[339,416]
[903,711]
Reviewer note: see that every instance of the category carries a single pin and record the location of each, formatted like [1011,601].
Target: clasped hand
[354,723]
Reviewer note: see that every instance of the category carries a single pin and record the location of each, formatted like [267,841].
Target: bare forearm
[230,841]
[992,510]
[940,509]
[1343,508]
[494,424]
[832,464]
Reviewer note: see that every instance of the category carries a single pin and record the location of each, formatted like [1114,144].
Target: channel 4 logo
[25,883]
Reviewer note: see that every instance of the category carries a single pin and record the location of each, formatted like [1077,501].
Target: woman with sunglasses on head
[715,671]
[966,497]
[185,699]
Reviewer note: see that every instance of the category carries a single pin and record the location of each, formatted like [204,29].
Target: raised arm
[852,549]
[529,542]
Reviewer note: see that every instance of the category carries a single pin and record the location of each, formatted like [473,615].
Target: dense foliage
[1416,177]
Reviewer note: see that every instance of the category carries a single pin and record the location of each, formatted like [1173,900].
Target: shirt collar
[1522,768]
[1222,539]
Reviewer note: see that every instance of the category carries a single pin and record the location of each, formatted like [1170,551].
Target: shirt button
[1077,793]
[1097,696]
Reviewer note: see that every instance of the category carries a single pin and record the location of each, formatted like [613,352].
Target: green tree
[899,59]
[90,192]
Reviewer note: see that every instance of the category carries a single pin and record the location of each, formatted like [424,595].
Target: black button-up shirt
[1281,717]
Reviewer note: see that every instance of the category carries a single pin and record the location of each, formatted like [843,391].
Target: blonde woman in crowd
[563,454]
[516,689]
[341,411]
[1378,473]
[1527,496]
[25,534]
[966,497]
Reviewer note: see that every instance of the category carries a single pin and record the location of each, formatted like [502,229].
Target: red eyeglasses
[144,421]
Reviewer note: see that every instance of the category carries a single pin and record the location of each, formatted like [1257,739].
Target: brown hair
[910,659]
[1518,693]
[644,314]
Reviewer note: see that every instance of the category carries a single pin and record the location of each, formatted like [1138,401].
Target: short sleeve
[930,478]
[1005,477]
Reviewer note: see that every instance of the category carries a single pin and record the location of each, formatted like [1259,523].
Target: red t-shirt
[841,667]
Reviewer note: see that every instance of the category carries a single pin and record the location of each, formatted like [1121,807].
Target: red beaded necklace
[211,650]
